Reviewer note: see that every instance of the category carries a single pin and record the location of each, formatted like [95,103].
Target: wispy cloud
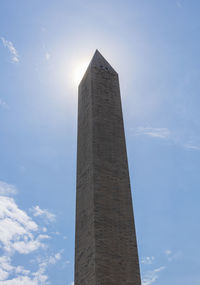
[172,255]
[3,104]
[152,275]
[161,133]
[187,142]
[14,53]
[44,213]
[7,189]
[47,53]
[23,276]
[47,56]
[168,252]
[191,146]
[148,259]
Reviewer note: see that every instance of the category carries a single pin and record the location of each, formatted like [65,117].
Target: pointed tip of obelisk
[99,62]
[97,53]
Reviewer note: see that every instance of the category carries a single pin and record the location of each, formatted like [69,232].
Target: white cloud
[20,280]
[43,237]
[151,276]
[148,259]
[161,133]
[7,189]
[26,277]
[20,234]
[17,229]
[55,258]
[3,104]
[5,267]
[40,275]
[44,213]
[18,275]
[25,247]
[9,45]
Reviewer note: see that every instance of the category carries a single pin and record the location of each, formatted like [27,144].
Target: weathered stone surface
[106,247]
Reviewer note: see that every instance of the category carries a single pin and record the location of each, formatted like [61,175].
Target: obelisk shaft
[106,247]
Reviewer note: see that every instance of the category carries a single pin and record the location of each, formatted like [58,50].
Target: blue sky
[154,45]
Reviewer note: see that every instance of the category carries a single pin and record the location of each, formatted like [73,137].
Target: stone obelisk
[105,247]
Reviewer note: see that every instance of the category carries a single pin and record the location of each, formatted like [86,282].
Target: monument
[105,244]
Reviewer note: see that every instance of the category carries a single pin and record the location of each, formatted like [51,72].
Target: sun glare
[72,70]
[79,71]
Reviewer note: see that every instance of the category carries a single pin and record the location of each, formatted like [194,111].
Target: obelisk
[105,247]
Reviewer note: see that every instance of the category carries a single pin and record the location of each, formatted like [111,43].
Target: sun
[72,70]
